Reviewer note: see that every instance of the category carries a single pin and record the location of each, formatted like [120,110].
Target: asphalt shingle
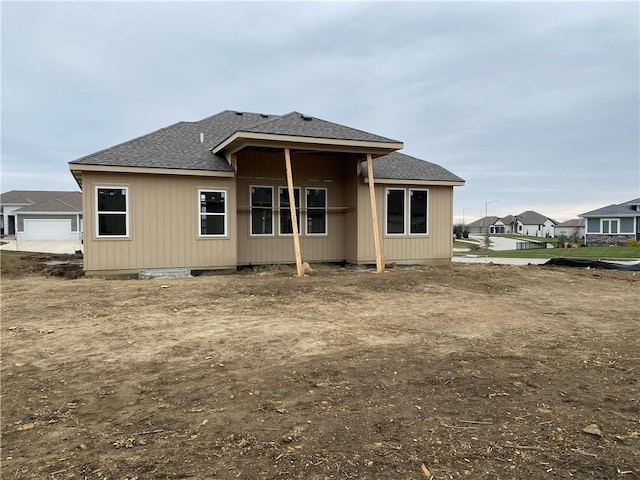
[398,166]
[43,201]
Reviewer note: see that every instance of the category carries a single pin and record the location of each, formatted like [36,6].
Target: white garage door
[47,229]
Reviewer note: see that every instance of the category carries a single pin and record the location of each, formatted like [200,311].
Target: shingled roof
[188,145]
[616,210]
[299,125]
[42,201]
[398,166]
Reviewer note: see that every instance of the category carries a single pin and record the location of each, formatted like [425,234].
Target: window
[261,210]
[316,211]
[112,211]
[286,227]
[395,211]
[213,213]
[419,208]
[610,226]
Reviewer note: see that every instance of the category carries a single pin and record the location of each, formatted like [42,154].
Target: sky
[535,105]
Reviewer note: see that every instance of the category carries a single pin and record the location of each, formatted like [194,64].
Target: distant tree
[460,231]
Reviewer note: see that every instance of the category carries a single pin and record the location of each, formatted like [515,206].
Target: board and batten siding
[310,170]
[434,248]
[163,224]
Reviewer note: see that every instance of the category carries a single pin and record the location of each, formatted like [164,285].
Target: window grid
[212,213]
[261,217]
[112,211]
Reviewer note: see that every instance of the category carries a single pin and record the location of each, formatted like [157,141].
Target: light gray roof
[508,220]
[43,201]
[178,146]
[398,166]
[575,222]
[484,221]
[533,218]
[615,210]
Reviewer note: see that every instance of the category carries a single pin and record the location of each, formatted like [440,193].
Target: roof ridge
[265,121]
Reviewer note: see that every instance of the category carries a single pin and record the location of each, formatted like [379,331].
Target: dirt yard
[467,371]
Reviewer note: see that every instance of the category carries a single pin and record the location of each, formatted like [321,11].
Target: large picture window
[112,211]
[395,211]
[261,210]
[213,213]
[316,211]
[419,202]
[286,227]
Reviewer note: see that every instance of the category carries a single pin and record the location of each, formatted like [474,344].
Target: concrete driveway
[498,243]
[52,246]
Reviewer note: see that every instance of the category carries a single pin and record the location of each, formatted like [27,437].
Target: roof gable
[533,218]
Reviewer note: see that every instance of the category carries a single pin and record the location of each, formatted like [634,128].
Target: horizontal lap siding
[314,170]
[163,224]
[434,247]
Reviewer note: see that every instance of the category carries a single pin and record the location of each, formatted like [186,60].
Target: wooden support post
[294,216]
[374,216]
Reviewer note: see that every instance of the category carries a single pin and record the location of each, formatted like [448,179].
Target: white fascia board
[248,136]
[396,181]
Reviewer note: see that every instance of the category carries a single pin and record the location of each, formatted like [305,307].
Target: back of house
[215,194]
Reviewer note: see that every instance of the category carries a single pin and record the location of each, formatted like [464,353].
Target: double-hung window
[261,210]
[286,227]
[395,211]
[610,226]
[399,219]
[316,211]
[112,211]
[213,213]
[419,204]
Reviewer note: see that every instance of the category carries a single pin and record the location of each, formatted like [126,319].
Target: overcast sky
[535,105]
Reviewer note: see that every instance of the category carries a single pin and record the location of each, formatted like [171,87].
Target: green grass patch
[587,253]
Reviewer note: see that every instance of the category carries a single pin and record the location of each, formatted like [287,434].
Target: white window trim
[603,220]
[225,214]
[325,209]
[409,216]
[97,212]
[288,207]
[251,207]
[386,213]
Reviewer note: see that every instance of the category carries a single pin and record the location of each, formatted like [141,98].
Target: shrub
[633,243]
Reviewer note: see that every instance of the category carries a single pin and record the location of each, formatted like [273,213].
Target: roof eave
[77,169]
[240,140]
[403,181]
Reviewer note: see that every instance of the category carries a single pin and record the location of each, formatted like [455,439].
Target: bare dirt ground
[467,371]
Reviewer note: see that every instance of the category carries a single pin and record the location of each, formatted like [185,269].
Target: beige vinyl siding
[310,170]
[434,248]
[163,224]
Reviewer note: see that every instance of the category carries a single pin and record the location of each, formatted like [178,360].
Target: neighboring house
[483,225]
[614,224]
[534,224]
[41,215]
[571,228]
[216,194]
[528,223]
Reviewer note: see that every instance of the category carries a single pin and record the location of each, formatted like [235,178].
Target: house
[41,215]
[528,223]
[614,224]
[573,228]
[241,188]
[534,224]
[483,225]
